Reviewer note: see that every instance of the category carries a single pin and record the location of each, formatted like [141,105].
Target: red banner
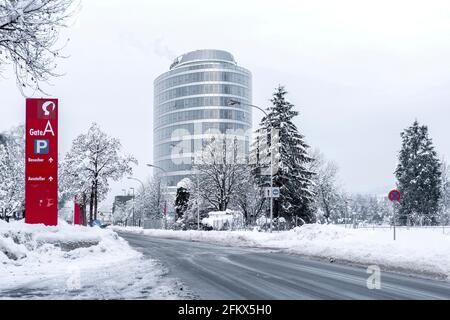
[77,220]
[41,169]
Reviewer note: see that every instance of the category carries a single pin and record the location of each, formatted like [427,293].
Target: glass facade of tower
[191,102]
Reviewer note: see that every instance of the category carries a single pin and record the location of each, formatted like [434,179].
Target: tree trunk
[83,210]
[96,200]
[91,206]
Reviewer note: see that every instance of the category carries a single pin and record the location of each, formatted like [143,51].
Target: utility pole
[165,214]
[159,190]
[198,194]
[143,191]
[272,131]
[271,180]
[134,222]
[395,218]
[198,201]
[395,196]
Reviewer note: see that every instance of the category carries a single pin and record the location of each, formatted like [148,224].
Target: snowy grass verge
[73,262]
[423,251]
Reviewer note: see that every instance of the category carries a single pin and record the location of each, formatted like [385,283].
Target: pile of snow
[26,242]
[67,262]
[417,250]
[222,220]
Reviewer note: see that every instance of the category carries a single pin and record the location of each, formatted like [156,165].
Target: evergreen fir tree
[182,198]
[290,161]
[419,177]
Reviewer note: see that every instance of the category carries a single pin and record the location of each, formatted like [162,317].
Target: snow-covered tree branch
[221,167]
[249,198]
[328,196]
[29,31]
[149,201]
[12,172]
[94,159]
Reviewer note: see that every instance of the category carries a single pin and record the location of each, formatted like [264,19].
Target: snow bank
[222,220]
[76,262]
[416,250]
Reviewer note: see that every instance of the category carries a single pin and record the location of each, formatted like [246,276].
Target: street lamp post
[233,103]
[143,190]
[134,222]
[165,203]
[198,194]
[157,167]
[198,202]
[136,179]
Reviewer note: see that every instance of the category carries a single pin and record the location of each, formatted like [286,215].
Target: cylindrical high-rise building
[192,100]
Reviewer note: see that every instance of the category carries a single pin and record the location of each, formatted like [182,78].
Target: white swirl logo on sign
[46,106]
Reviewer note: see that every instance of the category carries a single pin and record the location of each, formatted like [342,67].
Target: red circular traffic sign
[395,196]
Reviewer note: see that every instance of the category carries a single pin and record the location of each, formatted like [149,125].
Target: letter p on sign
[41,146]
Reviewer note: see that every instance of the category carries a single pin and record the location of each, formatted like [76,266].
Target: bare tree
[329,197]
[122,213]
[29,30]
[249,198]
[149,202]
[221,167]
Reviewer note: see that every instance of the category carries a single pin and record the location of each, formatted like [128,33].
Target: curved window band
[218,76]
[185,69]
[168,132]
[202,89]
[203,115]
[207,101]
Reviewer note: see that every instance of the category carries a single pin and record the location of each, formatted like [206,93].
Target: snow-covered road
[213,271]
[416,250]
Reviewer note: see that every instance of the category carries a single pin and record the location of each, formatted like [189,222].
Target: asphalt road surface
[224,273]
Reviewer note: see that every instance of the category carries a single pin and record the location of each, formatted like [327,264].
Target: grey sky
[359,72]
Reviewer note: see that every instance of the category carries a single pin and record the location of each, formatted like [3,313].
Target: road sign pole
[394,197]
[271,181]
[395,205]
[198,202]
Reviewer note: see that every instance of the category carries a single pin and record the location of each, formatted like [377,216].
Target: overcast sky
[359,72]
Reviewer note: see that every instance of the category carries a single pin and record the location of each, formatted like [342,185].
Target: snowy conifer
[182,197]
[290,160]
[419,177]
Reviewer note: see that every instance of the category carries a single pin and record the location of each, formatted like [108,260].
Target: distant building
[191,101]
